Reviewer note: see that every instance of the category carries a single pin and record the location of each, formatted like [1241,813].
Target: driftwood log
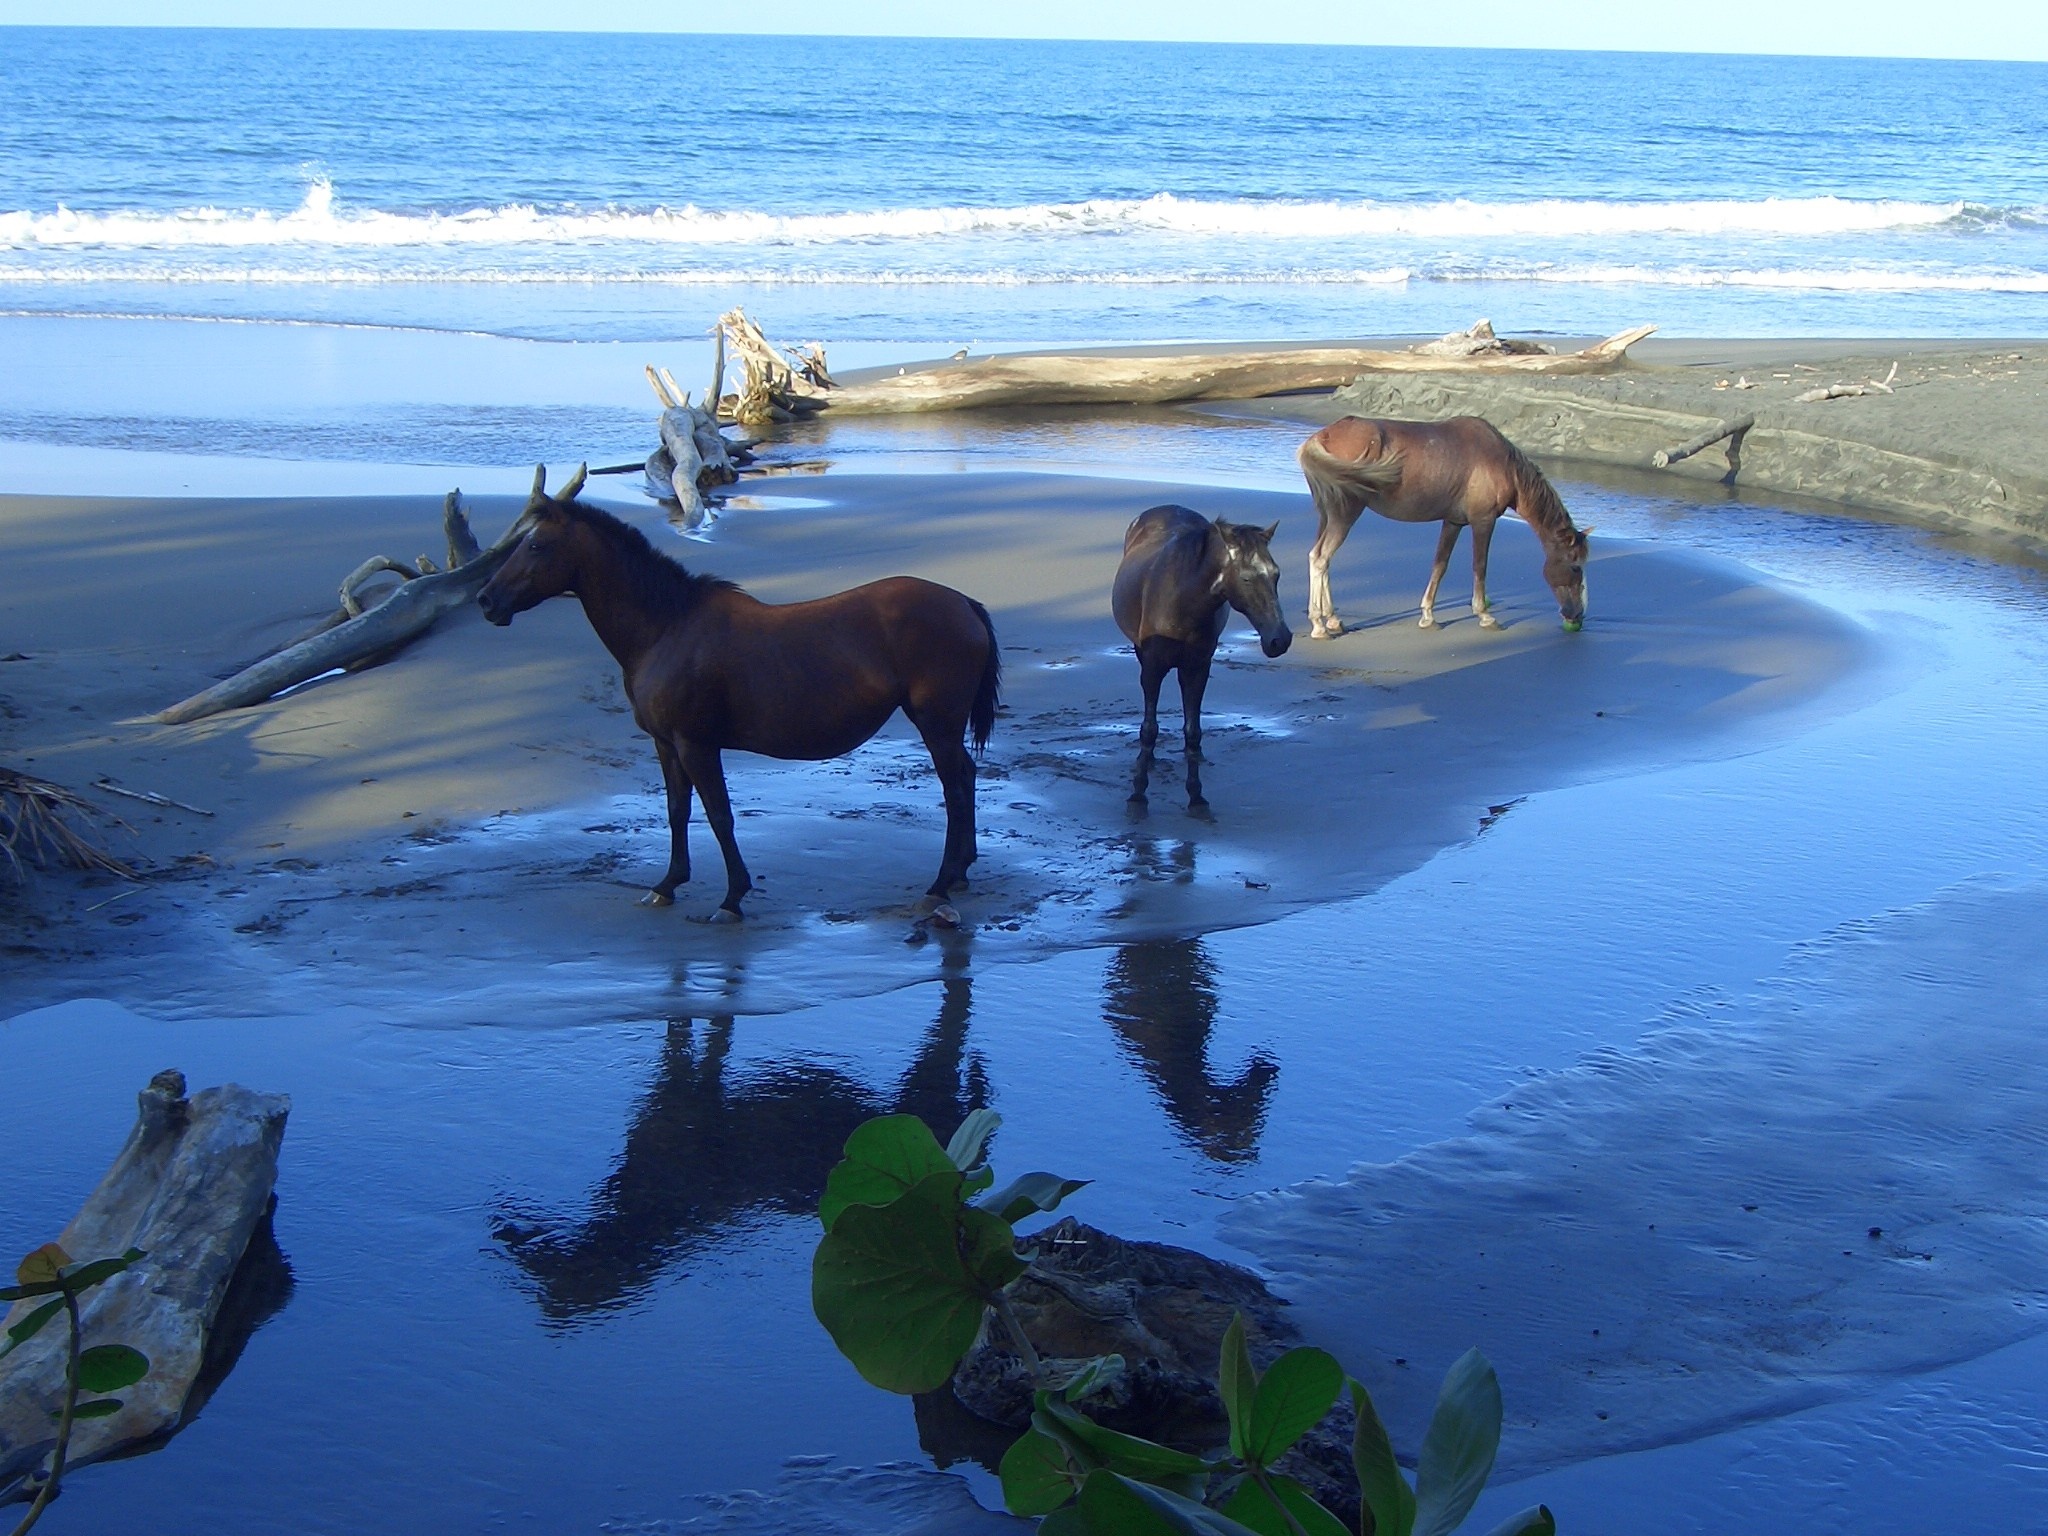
[787,385]
[189,1188]
[1881,386]
[355,637]
[1733,431]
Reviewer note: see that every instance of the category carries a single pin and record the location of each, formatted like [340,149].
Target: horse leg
[707,772]
[955,768]
[678,785]
[1331,533]
[1194,682]
[1482,540]
[1153,665]
[1446,541]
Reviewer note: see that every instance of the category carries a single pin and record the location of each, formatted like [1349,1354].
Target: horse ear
[1271,529]
[540,485]
[575,483]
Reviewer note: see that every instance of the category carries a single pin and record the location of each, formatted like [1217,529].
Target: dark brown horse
[1180,571]
[1458,472]
[707,668]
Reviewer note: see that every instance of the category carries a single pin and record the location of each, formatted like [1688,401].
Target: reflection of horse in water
[1160,997]
[706,1151]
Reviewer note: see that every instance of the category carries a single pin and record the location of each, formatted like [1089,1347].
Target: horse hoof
[657,899]
[945,915]
[1427,621]
[726,915]
[1488,621]
[1573,626]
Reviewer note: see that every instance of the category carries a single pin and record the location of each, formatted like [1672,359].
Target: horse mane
[656,581]
[1535,499]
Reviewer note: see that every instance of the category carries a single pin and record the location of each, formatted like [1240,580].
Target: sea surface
[981,192]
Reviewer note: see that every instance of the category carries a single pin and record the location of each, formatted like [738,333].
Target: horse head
[1250,582]
[1564,567]
[543,561]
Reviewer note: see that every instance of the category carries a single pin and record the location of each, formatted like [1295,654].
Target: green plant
[917,1256]
[102,1369]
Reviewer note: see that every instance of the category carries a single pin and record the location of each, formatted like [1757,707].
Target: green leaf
[103,1408]
[83,1277]
[1457,1453]
[975,1181]
[1111,1505]
[43,1267]
[884,1158]
[23,1292]
[1381,1485]
[1031,1194]
[1237,1382]
[1253,1507]
[1094,1375]
[964,1150]
[1294,1394]
[1036,1479]
[1145,1460]
[110,1367]
[901,1287]
[30,1326]
[1530,1522]
[1064,1521]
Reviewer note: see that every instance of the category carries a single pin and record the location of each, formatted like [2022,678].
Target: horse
[707,668]
[1456,472]
[1179,571]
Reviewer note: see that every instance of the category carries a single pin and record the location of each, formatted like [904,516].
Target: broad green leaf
[1253,1507]
[30,1326]
[1145,1460]
[975,1181]
[103,1408]
[1294,1394]
[43,1267]
[1064,1521]
[1030,1194]
[1036,1480]
[83,1277]
[884,1158]
[1381,1485]
[1457,1453]
[1102,1371]
[1237,1382]
[1111,1505]
[1530,1522]
[110,1367]
[964,1150]
[901,1287]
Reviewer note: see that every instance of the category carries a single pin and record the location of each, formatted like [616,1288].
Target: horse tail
[1341,487]
[1535,498]
[981,718]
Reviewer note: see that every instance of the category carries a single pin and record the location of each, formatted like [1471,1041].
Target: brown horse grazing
[707,667]
[1179,572]
[1456,472]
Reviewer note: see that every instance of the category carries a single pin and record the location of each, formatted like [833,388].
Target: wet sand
[485,802]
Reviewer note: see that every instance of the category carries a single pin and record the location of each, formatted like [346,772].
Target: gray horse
[1179,572]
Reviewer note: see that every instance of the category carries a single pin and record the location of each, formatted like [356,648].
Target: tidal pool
[554,1275]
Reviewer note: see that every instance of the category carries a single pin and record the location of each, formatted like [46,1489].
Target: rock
[1165,1310]
[190,1187]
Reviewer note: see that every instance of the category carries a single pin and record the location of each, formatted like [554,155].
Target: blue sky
[1978,29]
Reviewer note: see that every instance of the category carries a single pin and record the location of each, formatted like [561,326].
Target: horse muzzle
[495,608]
[1276,645]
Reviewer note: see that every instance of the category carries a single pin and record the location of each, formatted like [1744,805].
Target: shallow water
[553,1276]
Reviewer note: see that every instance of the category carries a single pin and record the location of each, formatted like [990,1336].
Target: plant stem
[49,1489]
[1293,1522]
[1031,1362]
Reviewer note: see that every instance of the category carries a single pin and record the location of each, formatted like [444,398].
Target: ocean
[607,187]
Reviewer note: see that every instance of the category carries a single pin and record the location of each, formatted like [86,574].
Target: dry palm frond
[34,826]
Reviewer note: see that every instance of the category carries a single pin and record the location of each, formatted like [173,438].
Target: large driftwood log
[188,1189]
[694,455]
[785,386]
[366,637]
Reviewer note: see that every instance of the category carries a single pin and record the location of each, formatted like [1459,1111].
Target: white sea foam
[320,221]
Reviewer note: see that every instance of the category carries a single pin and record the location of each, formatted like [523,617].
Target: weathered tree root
[34,828]
[358,638]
